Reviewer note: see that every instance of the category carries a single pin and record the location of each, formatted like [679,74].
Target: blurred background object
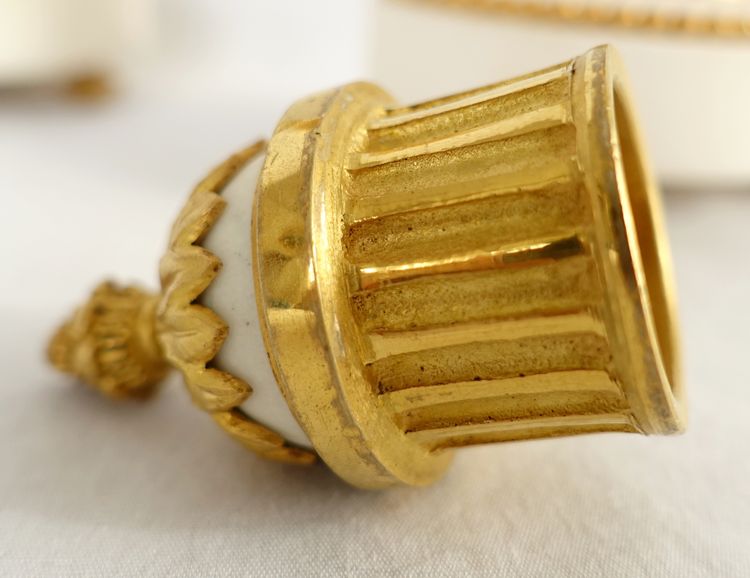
[216,76]
[78,43]
[688,63]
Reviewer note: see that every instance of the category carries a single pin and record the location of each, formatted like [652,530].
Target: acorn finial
[110,342]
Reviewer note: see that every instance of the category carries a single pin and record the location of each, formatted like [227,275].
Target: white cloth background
[89,487]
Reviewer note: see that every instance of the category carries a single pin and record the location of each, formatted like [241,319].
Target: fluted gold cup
[489,266]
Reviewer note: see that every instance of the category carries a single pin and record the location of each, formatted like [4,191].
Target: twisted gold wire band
[615,16]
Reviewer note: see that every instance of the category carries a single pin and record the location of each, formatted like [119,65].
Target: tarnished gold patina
[485,267]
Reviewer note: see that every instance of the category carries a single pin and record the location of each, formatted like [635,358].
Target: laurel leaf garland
[191,334]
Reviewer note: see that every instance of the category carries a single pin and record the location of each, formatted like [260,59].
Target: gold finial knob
[110,343]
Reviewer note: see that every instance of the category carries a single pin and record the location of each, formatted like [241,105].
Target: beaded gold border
[646,19]
[191,334]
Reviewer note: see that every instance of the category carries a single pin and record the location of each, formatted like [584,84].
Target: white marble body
[43,41]
[232,297]
[691,93]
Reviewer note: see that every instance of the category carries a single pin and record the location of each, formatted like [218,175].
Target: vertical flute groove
[474,286]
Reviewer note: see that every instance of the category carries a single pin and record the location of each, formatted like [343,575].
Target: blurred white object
[692,92]
[48,41]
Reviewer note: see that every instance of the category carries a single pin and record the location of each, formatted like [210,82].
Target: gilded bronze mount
[489,266]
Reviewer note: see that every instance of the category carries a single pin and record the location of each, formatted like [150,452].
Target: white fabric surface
[89,487]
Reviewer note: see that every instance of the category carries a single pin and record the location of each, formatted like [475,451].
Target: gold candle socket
[484,267]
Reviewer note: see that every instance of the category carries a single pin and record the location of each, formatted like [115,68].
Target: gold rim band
[489,266]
